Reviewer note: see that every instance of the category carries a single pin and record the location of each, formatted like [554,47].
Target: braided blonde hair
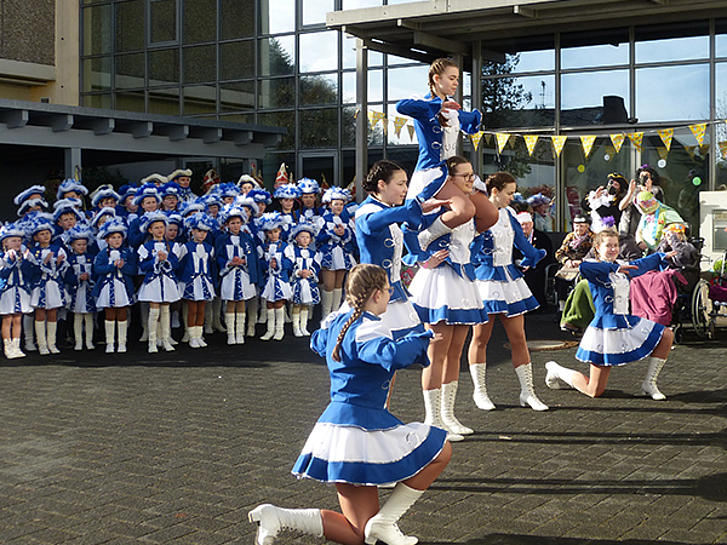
[363,280]
[437,68]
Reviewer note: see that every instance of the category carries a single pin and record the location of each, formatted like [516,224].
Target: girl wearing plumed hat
[114,268]
[276,269]
[147,199]
[309,210]
[33,192]
[237,262]
[16,272]
[304,275]
[247,183]
[49,294]
[158,263]
[197,271]
[79,282]
[170,193]
[334,249]
[66,216]
[183,178]
[71,189]
[286,196]
[127,193]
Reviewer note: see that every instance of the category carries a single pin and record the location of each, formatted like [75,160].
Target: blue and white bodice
[52,270]
[196,259]
[105,271]
[150,264]
[302,259]
[327,237]
[457,242]
[14,271]
[79,264]
[282,267]
[229,246]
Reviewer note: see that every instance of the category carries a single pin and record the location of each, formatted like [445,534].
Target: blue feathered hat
[304,226]
[200,221]
[66,206]
[24,195]
[538,199]
[114,225]
[271,220]
[336,193]
[30,203]
[146,190]
[41,222]
[210,199]
[11,230]
[170,189]
[231,211]
[78,232]
[188,207]
[260,195]
[308,185]
[287,191]
[105,211]
[174,217]
[227,189]
[127,190]
[68,185]
[152,217]
[249,203]
[103,194]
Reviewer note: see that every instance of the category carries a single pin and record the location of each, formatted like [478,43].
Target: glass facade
[274,62]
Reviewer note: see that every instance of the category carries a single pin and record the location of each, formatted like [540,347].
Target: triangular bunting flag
[698,131]
[530,141]
[371,118]
[663,152]
[411,130]
[399,122]
[476,139]
[636,139]
[666,137]
[723,148]
[587,143]
[617,140]
[502,138]
[558,143]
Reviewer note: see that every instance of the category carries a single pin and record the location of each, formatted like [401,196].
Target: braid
[437,68]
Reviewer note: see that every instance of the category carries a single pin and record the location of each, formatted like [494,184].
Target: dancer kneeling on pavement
[356,443]
[614,337]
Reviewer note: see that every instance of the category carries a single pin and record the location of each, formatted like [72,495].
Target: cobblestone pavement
[176,448]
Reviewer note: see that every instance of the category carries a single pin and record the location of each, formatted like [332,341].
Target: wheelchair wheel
[702,310]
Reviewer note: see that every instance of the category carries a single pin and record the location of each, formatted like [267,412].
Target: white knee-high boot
[251,306]
[122,327]
[28,330]
[478,372]
[152,328]
[240,327]
[41,336]
[382,526]
[262,313]
[558,377]
[433,413]
[230,323]
[649,386]
[165,323]
[185,322]
[271,520]
[109,326]
[326,303]
[144,311]
[88,326]
[208,319]
[449,394]
[304,313]
[271,325]
[336,299]
[51,329]
[78,330]
[527,392]
[279,323]
[296,323]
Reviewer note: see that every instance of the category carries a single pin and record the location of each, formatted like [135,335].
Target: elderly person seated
[540,205]
[535,276]
[571,253]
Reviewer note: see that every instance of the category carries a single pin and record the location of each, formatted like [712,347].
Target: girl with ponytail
[357,444]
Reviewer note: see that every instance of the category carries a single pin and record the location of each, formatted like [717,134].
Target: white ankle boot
[8,349]
[527,392]
[240,328]
[230,323]
[271,520]
[279,324]
[195,333]
[42,340]
[296,324]
[109,326]
[478,372]
[304,322]
[78,331]
[15,345]
[649,386]
[382,526]
[433,413]
[51,329]
[271,325]
[558,377]
[449,394]
[88,326]
[122,328]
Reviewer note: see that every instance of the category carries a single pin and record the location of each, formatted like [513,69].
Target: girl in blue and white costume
[309,211]
[197,273]
[303,276]
[504,293]
[16,272]
[356,443]
[237,263]
[276,269]
[158,263]
[287,195]
[79,279]
[334,251]
[438,120]
[615,337]
[447,300]
[114,269]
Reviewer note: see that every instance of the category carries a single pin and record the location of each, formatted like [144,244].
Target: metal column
[476,157]
[362,118]
[71,162]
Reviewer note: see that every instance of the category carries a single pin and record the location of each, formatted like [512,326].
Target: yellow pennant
[663,152]
[698,131]
[636,139]
[587,143]
[723,148]
[530,141]
[411,130]
[399,122]
[617,140]
[502,138]
[558,143]
[666,136]
[476,139]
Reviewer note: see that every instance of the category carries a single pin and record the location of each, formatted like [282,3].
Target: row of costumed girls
[153,245]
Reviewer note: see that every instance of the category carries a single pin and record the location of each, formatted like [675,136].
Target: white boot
[279,324]
[558,377]
[336,299]
[51,328]
[17,353]
[88,325]
[195,332]
[251,307]
[230,323]
[28,330]
[41,336]
[8,349]
[449,394]
[382,526]
[78,331]
[185,322]
[432,233]
[216,315]
[262,313]
[433,413]
[200,337]
[649,386]
[145,319]
[109,327]
[271,325]
[288,312]
[122,329]
[326,303]
[304,321]
[478,372]
[208,318]
[296,323]
[164,320]
[527,392]
[175,319]
[152,329]
[240,328]
[271,520]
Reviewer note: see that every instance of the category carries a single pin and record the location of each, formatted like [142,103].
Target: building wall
[27,30]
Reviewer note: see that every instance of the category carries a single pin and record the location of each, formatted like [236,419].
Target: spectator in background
[535,276]
[647,179]
[570,255]
[603,202]
[540,204]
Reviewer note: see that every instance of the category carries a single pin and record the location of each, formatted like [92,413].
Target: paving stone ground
[176,448]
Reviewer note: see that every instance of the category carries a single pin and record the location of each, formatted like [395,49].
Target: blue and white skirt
[401,318]
[48,295]
[236,286]
[276,290]
[160,289]
[610,347]
[336,453]
[335,258]
[114,294]
[511,298]
[81,299]
[15,300]
[441,295]
[199,289]
[306,292]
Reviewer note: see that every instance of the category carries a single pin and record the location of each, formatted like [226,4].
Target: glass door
[322,167]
